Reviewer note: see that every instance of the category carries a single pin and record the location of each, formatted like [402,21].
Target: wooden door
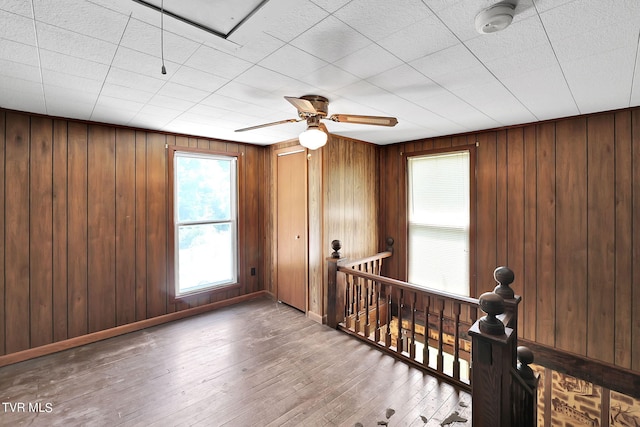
[291,274]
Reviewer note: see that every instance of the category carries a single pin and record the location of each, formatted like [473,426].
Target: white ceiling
[421,61]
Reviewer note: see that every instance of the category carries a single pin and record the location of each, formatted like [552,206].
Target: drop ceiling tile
[174,90]
[22,8]
[216,62]
[545,5]
[426,36]
[292,62]
[460,16]
[602,85]
[404,81]
[59,96]
[445,61]
[207,112]
[55,61]
[73,107]
[330,78]
[494,100]
[540,57]
[286,19]
[251,44]
[18,52]
[231,105]
[264,79]
[554,101]
[243,92]
[73,44]
[148,121]
[368,61]
[331,39]
[17,28]
[142,63]
[9,69]
[162,113]
[451,107]
[635,89]
[465,78]
[62,80]
[133,82]
[378,19]
[330,5]
[108,102]
[522,36]
[584,16]
[22,97]
[594,42]
[146,38]
[197,79]
[87,18]
[13,86]
[109,114]
[169,102]
[126,93]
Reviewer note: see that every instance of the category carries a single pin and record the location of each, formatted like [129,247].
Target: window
[204,221]
[439,214]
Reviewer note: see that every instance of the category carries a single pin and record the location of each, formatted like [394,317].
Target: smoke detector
[495,18]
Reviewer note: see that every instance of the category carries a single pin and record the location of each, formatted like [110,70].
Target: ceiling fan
[313,108]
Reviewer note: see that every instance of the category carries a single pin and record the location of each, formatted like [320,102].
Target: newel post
[504,277]
[335,295]
[492,349]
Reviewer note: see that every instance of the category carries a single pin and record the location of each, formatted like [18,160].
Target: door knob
[297,236]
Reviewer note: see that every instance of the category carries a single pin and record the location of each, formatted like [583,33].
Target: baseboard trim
[318,318]
[44,350]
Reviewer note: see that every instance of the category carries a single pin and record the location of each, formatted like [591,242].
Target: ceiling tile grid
[421,61]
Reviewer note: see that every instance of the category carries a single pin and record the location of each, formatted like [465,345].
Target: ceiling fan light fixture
[495,18]
[312,138]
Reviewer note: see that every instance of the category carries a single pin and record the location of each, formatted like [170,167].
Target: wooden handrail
[406,286]
[366,260]
[436,330]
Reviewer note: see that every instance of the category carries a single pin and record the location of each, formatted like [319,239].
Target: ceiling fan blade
[364,120]
[268,124]
[302,105]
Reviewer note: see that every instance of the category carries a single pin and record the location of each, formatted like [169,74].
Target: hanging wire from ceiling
[163,69]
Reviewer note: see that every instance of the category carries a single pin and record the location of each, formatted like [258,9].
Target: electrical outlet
[253,271]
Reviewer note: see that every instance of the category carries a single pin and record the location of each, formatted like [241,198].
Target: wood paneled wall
[559,203]
[350,188]
[83,227]
[342,204]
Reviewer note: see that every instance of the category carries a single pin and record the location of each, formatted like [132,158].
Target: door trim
[279,152]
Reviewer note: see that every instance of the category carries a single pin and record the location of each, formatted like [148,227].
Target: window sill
[193,297]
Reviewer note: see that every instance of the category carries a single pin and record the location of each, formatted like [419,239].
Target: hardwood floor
[258,363]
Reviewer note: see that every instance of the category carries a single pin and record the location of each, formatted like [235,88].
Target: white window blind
[439,218]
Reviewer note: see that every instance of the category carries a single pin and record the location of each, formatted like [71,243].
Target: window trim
[171,232]
[473,169]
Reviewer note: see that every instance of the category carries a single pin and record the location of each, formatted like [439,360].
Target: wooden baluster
[412,345]
[367,302]
[400,343]
[473,316]
[387,340]
[456,338]
[425,350]
[440,358]
[358,293]
[349,296]
[376,296]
